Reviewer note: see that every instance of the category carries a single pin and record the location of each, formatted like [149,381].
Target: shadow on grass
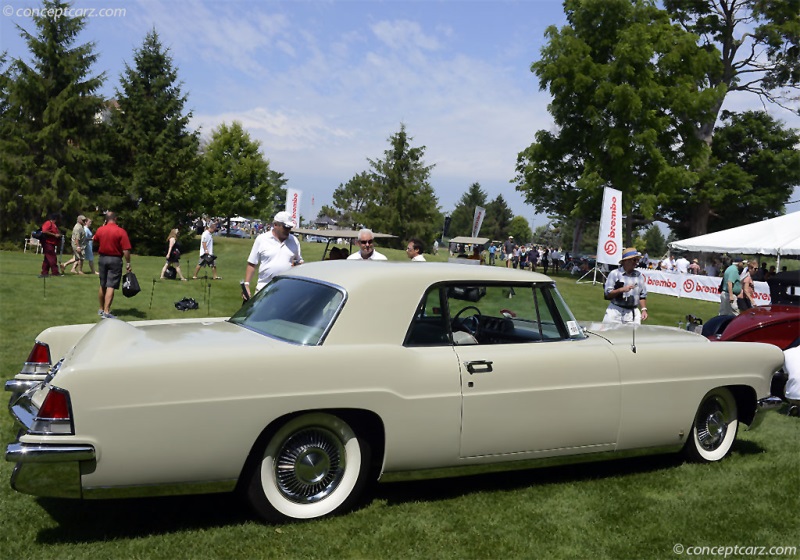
[89,521]
[100,520]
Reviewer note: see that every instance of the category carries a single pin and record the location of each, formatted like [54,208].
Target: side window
[508,314]
[429,325]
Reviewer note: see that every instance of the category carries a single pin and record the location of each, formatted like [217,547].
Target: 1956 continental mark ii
[339,372]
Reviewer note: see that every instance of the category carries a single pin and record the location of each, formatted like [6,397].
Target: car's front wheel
[714,429]
[312,466]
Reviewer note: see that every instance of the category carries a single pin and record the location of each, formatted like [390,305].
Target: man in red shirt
[51,236]
[112,244]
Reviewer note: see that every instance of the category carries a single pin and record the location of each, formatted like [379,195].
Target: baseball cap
[284,218]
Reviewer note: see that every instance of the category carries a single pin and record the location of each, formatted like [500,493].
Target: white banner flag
[609,242]
[477,220]
[293,204]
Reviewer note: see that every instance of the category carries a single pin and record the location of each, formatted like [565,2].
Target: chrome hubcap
[310,465]
[711,432]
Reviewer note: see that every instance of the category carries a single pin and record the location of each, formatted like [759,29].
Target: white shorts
[617,314]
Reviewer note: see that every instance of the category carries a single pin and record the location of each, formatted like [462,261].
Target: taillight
[40,354]
[38,361]
[54,416]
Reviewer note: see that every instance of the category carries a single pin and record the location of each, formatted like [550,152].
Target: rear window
[292,309]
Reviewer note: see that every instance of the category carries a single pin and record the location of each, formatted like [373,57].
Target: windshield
[292,309]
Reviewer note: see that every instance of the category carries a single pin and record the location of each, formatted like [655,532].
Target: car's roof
[353,274]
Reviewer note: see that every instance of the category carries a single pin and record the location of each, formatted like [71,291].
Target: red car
[778,323]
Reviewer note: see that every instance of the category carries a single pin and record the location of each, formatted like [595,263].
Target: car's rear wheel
[312,466]
[714,429]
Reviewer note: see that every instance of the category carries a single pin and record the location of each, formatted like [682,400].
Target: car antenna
[633,341]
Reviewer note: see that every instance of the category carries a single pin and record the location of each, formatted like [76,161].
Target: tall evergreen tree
[464,212]
[498,219]
[235,175]
[406,203]
[50,160]
[155,187]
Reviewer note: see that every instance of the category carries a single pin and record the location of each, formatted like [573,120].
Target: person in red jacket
[51,237]
[112,245]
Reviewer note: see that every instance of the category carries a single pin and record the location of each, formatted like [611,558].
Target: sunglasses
[367,241]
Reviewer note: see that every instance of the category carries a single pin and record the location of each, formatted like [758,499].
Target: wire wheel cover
[712,424]
[310,465]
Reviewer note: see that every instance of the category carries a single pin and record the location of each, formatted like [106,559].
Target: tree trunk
[698,221]
[577,235]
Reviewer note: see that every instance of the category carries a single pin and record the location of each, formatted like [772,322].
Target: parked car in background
[234,232]
[777,323]
[337,373]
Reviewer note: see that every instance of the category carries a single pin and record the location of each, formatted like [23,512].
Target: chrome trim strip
[149,491]
[48,453]
[527,463]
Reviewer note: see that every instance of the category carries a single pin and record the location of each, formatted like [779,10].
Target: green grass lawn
[632,508]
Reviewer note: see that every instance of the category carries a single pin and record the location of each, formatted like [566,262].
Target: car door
[534,383]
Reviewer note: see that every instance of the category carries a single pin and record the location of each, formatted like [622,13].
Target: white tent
[778,236]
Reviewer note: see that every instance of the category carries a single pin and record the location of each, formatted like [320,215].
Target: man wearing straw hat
[627,291]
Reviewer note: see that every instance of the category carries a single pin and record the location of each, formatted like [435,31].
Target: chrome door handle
[484,365]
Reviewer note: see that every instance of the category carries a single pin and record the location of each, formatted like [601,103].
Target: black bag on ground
[170,273]
[185,304]
[130,285]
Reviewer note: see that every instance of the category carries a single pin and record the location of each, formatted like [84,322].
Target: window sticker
[573,328]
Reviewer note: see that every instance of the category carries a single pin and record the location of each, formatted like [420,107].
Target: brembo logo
[610,245]
[294,206]
[661,283]
[700,288]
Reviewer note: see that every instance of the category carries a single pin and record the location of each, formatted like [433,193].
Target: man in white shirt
[273,252]
[414,250]
[367,253]
[207,257]
[682,265]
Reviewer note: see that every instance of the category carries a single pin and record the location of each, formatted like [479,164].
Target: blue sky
[324,84]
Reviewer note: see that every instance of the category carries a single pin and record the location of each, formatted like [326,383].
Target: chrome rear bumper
[763,405]
[51,470]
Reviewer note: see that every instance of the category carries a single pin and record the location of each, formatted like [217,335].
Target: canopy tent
[778,236]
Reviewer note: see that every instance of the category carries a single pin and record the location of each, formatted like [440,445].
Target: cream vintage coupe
[340,372]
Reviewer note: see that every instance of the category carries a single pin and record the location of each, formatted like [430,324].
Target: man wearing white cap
[627,290]
[273,252]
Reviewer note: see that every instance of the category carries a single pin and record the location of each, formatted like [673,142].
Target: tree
[755,166]
[654,243]
[351,199]
[755,46]
[464,212]
[50,157]
[155,186]
[328,212]
[520,229]
[405,203]
[498,219]
[236,175]
[602,72]
[637,96]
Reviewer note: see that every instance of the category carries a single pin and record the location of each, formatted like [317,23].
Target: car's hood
[617,333]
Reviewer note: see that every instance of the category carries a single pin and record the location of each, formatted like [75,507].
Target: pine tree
[51,160]
[406,205]
[156,155]
[236,175]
